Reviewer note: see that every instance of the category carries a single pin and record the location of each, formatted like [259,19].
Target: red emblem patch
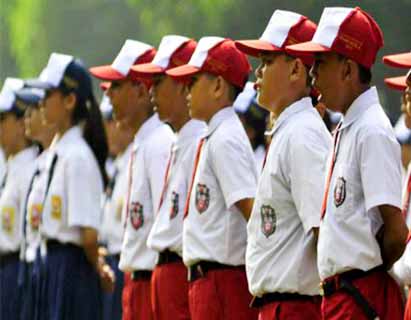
[136,215]
[339,192]
[202,197]
[268,220]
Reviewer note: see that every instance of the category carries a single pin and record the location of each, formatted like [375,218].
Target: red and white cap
[285,28]
[350,32]
[218,56]
[399,60]
[133,52]
[397,83]
[173,51]
[8,93]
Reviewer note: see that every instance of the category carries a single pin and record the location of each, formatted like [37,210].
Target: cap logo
[70,83]
[20,105]
[217,66]
[350,42]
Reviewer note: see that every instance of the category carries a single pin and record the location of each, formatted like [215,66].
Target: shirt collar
[25,155]
[192,129]
[294,108]
[219,118]
[361,103]
[71,135]
[147,128]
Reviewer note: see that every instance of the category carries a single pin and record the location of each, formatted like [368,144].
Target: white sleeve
[308,157]
[380,160]
[234,166]
[84,191]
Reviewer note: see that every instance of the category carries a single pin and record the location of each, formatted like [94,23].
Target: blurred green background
[94,30]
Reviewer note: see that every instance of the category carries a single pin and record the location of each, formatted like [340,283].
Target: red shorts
[291,310]
[378,288]
[169,292]
[221,295]
[136,299]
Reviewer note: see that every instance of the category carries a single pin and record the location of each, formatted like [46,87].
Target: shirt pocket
[345,191]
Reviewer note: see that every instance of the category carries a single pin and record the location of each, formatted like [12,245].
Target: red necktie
[196,161]
[166,177]
[330,172]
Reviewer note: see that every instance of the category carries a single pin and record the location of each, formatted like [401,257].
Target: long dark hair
[77,80]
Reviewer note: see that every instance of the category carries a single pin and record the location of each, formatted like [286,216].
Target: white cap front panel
[54,71]
[279,26]
[168,45]
[201,52]
[7,94]
[128,54]
[329,26]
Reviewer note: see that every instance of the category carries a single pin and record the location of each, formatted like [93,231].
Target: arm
[245,206]
[90,246]
[393,238]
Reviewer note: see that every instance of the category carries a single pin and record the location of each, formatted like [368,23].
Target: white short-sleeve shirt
[215,229]
[151,150]
[20,169]
[113,220]
[281,249]
[35,206]
[167,231]
[367,174]
[73,199]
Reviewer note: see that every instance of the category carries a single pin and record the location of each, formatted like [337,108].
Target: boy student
[222,187]
[132,107]
[169,284]
[282,232]
[362,231]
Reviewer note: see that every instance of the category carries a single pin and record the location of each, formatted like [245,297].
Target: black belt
[343,281]
[9,257]
[168,256]
[200,269]
[140,275]
[55,244]
[268,298]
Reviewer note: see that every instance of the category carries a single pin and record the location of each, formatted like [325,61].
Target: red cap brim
[105,85]
[106,73]
[183,71]
[306,48]
[255,47]
[146,69]
[401,60]
[397,83]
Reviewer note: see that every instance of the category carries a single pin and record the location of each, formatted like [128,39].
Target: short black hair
[364,73]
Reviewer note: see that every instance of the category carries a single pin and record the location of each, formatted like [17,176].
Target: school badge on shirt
[339,192]
[136,215]
[202,197]
[56,207]
[268,220]
[174,205]
[8,217]
[35,214]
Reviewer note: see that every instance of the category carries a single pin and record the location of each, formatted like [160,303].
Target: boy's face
[328,78]
[123,97]
[273,78]
[164,94]
[201,91]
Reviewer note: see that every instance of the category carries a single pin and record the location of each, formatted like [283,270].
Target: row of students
[191,200]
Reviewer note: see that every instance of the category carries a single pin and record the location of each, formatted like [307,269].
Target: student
[282,232]
[254,120]
[223,185]
[20,157]
[151,148]
[67,266]
[169,285]
[362,231]
[120,144]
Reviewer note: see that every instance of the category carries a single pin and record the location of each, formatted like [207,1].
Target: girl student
[20,156]
[68,271]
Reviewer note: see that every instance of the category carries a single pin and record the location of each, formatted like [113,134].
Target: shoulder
[308,127]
